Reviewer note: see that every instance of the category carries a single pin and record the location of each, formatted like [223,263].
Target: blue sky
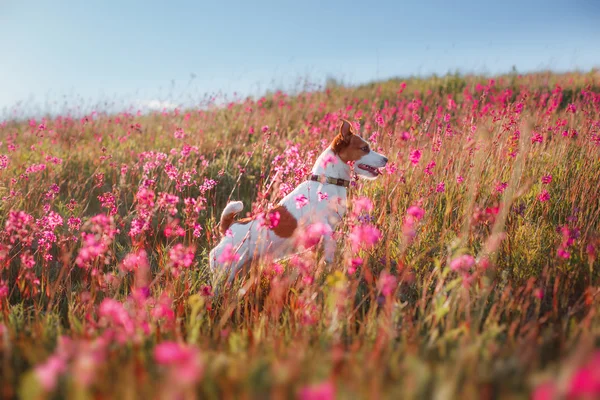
[87,51]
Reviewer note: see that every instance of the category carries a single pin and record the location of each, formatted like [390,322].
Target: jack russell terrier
[321,198]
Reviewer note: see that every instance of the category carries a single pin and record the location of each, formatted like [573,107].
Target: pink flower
[362,204]
[501,187]
[459,179]
[364,236]
[586,381]
[546,179]
[545,391]
[180,257]
[48,372]
[354,263]
[441,187]
[133,261]
[429,167]
[321,391]
[387,283]
[322,196]
[462,263]
[544,196]
[416,212]
[537,138]
[179,133]
[329,159]
[301,201]
[183,362]
[228,255]
[415,156]
[3,161]
[270,220]
[313,234]
[264,129]
[563,253]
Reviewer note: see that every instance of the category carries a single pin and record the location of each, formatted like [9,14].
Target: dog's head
[352,148]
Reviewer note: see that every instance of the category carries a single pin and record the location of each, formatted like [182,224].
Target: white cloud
[156,105]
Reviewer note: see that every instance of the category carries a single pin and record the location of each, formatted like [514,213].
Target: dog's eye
[365,149]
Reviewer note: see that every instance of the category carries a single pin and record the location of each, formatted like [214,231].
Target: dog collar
[327,179]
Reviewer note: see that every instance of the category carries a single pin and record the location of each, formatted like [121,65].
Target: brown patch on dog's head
[287,223]
[347,145]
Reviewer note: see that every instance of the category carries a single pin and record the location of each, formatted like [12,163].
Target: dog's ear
[345,130]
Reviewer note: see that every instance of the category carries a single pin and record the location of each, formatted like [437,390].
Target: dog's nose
[385,160]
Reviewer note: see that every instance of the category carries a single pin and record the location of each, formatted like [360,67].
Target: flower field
[468,269]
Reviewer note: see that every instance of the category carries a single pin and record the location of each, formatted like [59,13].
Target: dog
[321,198]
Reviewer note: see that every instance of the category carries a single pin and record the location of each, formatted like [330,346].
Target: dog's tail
[228,215]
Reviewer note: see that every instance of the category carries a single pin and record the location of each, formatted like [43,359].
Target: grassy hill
[487,286]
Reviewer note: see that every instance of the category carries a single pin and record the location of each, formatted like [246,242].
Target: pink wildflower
[544,196]
[415,156]
[546,179]
[183,362]
[48,372]
[585,383]
[416,212]
[180,257]
[313,234]
[501,187]
[228,255]
[387,283]
[429,167]
[321,391]
[329,159]
[133,261]
[462,263]
[301,201]
[364,236]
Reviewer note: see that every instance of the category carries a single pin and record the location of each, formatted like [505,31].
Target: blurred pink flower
[321,391]
[183,361]
[416,212]
[429,167]
[228,255]
[537,138]
[329,159]
[387,283]
[546,179]
[313,234]
[545,391]
[544,196]
[301,201]
[501,187]
[133,261]
[180,257]
[364,236]
[441,187]
[462,263]
[585,383]
[362,204]
[415,156]
[48,372]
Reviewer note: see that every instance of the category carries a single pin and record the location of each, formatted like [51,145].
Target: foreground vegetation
[468,270]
